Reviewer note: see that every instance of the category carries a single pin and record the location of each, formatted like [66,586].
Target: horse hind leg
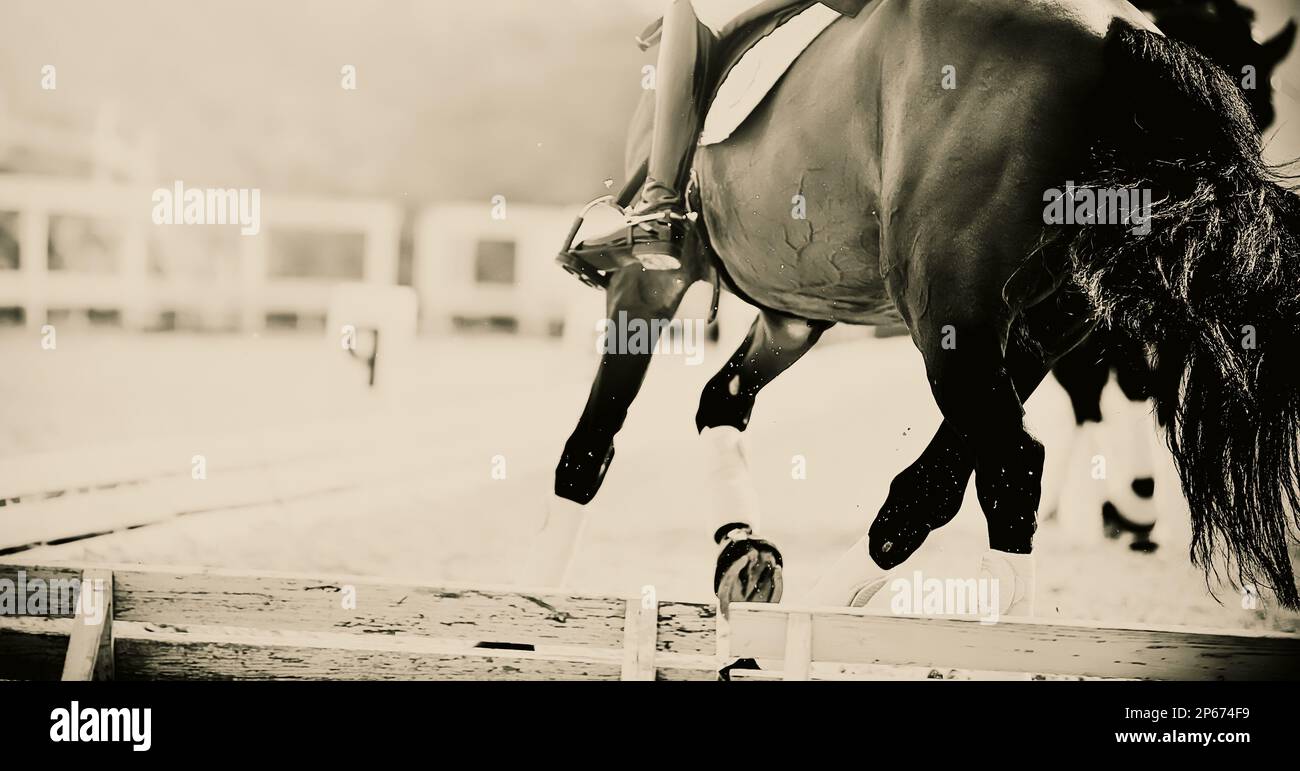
[1130,507]
[928,494]
[748,568]
[922,498]
[971,384]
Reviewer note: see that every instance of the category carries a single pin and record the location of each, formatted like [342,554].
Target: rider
[656,222]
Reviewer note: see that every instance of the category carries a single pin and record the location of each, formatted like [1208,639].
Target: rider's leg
[657,219]
[679,85]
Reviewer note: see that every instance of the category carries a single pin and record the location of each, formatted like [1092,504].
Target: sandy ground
[857,410]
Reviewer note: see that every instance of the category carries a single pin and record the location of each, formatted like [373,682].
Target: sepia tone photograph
[938,340]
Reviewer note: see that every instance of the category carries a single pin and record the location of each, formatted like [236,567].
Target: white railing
[138,295]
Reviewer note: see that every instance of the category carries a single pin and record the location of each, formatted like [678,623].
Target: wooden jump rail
[181,623]
[196,623]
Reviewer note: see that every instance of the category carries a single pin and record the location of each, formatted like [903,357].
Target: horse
[936,201]
[1223,30]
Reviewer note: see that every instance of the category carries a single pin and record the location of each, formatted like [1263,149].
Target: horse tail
[1210,282]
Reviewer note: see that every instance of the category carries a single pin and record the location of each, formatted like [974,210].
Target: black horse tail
[1211,284]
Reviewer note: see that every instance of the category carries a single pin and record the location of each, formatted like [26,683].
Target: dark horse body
[926,204]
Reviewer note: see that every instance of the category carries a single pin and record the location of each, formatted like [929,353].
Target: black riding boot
[656,223]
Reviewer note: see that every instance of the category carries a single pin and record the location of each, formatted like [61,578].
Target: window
[494,262]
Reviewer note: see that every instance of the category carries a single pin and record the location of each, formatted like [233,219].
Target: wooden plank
[1059,648]
[687,627]
[685,666]
[195,596]
[798,646]
[685,675]
[150,652]
[755,675]
[631,620]
[33,648]
[90,646]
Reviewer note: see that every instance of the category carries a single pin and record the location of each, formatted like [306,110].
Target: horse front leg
[632,294]
[748,569]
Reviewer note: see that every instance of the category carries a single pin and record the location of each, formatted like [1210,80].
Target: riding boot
[681,75]
[656,222]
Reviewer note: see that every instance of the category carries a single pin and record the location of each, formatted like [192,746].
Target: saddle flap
[759,69]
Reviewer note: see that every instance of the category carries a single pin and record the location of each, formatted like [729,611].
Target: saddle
[755,51]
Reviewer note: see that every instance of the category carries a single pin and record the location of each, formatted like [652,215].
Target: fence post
[34,263]
[640,638]
[798,646]
[90,646]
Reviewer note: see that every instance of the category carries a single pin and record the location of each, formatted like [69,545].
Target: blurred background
[455,104]
[174,336]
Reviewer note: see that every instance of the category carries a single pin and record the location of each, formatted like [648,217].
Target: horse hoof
[724,674]
[748,570]
[1014,577]
[1145,547]
[580,473]
[863,594]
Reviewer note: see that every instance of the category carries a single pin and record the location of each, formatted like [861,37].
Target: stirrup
[593,262]
[666,215]
[576,266]
[657,254]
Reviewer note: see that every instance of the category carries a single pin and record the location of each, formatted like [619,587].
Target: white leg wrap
[726,468]
[1130,434]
